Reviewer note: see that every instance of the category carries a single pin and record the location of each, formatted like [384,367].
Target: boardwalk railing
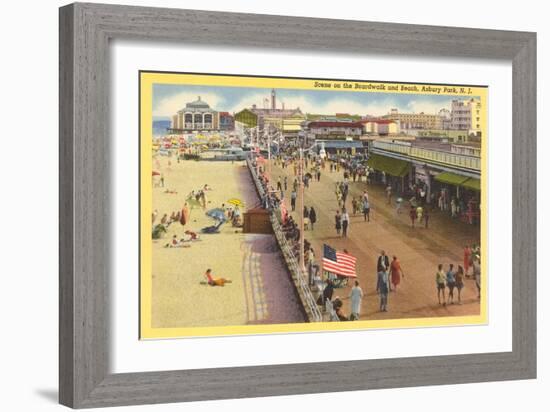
[438,156]
[298,275]
[255,178]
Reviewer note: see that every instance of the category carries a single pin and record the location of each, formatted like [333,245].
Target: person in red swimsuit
[212,281]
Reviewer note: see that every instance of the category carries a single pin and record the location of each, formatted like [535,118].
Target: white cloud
[339,105]
[170,105]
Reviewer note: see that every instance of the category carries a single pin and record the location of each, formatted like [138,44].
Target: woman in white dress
[356,295]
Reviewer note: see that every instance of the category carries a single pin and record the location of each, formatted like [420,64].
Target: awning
[389,165]
[451,178]
[472,184]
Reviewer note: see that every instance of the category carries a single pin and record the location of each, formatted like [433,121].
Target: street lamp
[269,154]
[301,205]
[301,209]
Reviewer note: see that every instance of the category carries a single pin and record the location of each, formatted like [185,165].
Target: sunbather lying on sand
[212,281]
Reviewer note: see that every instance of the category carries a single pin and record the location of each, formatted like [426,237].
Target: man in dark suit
[383,263]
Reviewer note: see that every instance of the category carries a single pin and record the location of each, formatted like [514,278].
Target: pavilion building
[195,116]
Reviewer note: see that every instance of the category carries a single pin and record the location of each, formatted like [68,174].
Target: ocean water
[159,127]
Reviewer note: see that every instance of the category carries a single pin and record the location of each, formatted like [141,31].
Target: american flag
[340,263]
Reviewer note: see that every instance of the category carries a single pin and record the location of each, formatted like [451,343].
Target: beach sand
[261,290]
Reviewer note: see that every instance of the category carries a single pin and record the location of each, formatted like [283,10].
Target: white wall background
[28,206]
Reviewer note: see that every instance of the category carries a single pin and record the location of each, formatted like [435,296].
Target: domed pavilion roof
[197,104]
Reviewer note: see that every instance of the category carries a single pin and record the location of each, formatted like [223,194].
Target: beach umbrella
[217,214]
[236,202]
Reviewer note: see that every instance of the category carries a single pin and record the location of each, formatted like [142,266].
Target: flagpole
[269,154]
[301,210]
[257,146]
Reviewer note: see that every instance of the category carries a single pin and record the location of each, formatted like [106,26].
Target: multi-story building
[445,118]
[196,115]
[412,121]
[466,115]
[286,120]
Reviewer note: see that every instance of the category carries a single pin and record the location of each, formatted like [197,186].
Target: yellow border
[147,79]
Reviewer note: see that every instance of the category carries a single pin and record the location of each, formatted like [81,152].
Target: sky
[168,99]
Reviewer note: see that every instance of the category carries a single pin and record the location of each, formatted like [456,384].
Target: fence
[298,274]
[438,156]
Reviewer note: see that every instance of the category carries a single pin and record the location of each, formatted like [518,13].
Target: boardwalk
[419,249]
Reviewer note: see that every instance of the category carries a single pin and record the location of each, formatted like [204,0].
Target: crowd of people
[389,272]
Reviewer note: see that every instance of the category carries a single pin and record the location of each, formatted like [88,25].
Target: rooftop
[335,124]
[197,104]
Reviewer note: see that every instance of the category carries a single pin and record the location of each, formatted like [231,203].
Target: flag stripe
[338,262]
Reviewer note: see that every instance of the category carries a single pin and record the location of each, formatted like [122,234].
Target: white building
[466,115]
[381,126]
[196,115]
[332,130]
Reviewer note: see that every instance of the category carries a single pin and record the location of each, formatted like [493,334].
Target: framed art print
[261,205]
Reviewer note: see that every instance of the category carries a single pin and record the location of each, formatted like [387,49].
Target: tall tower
[273,100]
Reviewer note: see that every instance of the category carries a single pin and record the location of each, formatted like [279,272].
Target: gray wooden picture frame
[85,32]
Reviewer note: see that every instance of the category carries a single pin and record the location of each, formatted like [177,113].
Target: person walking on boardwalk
[313,267]
[412,215]
[426,217]
[398,204]
[366,210]
[279,184]
[293,196]
[355,295]
[344,193]
[459,282]
[339,198]
[388,194]
[383,262]
[419,212]
[440,283]
[285,183]
[345,222]
[312,217]
[451,282]
[328,291]
[354,206]
[338,222]
[396,273]
[306,213]
[467,257]
[382,287]
[476,268]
